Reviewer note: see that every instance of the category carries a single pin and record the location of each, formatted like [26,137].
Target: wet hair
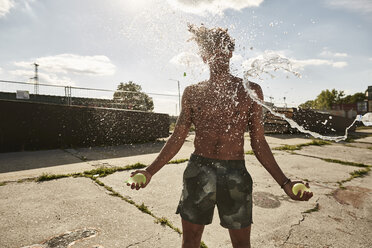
[210,39]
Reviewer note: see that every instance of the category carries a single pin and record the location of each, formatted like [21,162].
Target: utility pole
[179,93]
[36,80]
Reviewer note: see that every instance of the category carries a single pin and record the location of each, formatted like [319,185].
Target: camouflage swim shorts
[207,182]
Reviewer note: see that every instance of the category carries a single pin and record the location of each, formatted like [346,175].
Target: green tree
[327,98]
[131,95]
[357,97]
[308,105]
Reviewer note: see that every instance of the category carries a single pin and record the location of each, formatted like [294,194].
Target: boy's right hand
[136,185]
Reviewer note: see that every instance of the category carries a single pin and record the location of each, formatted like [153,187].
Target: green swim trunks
[208,182]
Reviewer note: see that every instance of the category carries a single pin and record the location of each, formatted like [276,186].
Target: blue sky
[98,44]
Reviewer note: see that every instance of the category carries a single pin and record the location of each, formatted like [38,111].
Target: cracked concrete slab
[33,212]
[41,211]
[367,140]
[340,152]
[271,206]
[334,225]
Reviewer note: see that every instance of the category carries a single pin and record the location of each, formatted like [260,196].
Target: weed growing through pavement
[314,209]
[202,245]
[165,222]
[48,177]
[299,146]
[144,209]
[354,174]
[178,161]
[344,162]
[105,171]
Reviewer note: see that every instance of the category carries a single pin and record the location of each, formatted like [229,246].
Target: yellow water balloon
[300,187]
[138,178]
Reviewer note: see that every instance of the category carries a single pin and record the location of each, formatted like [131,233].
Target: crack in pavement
[297,224]
[140,241]
[291,229]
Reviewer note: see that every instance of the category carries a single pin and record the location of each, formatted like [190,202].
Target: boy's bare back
[220,112]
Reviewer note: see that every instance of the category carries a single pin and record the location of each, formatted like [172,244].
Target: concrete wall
[314,121]
[322,123]
[33,126]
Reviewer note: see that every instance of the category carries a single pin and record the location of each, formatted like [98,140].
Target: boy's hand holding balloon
[298,191]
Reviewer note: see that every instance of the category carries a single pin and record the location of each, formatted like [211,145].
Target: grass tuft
[144,208]
[314,209]
[2,183]
[178,161]
[287,148]
[344,162]
[48,177]
[354,174]
[105,171]
[359,173]
[250,152]
[203,245]
[101,171]
[135,166]
[163,221]
[314,142]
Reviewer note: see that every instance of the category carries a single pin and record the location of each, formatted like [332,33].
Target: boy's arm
[175,142]
[259,144]
[262,150]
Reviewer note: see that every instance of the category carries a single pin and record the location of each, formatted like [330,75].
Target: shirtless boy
[221,110]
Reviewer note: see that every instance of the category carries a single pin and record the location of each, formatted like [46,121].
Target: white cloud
[5,6]
[44,78]
[1,70]
[327,53]
[187,59]
[212,6]
[97,65]
[340,64]
[370,59]
[363,6]
[300,64]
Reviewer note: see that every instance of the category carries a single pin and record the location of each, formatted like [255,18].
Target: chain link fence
[70,95]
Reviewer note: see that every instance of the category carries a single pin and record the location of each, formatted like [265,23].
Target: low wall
[322,123]
[34,126]
[310,120]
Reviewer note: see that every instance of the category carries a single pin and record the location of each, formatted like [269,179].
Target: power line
[83,88]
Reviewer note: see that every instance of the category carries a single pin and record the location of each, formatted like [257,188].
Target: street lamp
[179,93]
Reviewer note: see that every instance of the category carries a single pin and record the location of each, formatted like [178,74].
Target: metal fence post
[68,94]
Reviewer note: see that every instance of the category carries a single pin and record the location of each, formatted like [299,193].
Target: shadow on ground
[18,161]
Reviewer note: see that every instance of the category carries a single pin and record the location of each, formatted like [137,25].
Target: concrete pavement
[106,213]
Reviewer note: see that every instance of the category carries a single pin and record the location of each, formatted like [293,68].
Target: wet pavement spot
[265,200]
[67,239]
[351,195]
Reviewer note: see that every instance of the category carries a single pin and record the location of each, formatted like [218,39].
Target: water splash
[292,123]
[365,119]
[274,62]
[270,61]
